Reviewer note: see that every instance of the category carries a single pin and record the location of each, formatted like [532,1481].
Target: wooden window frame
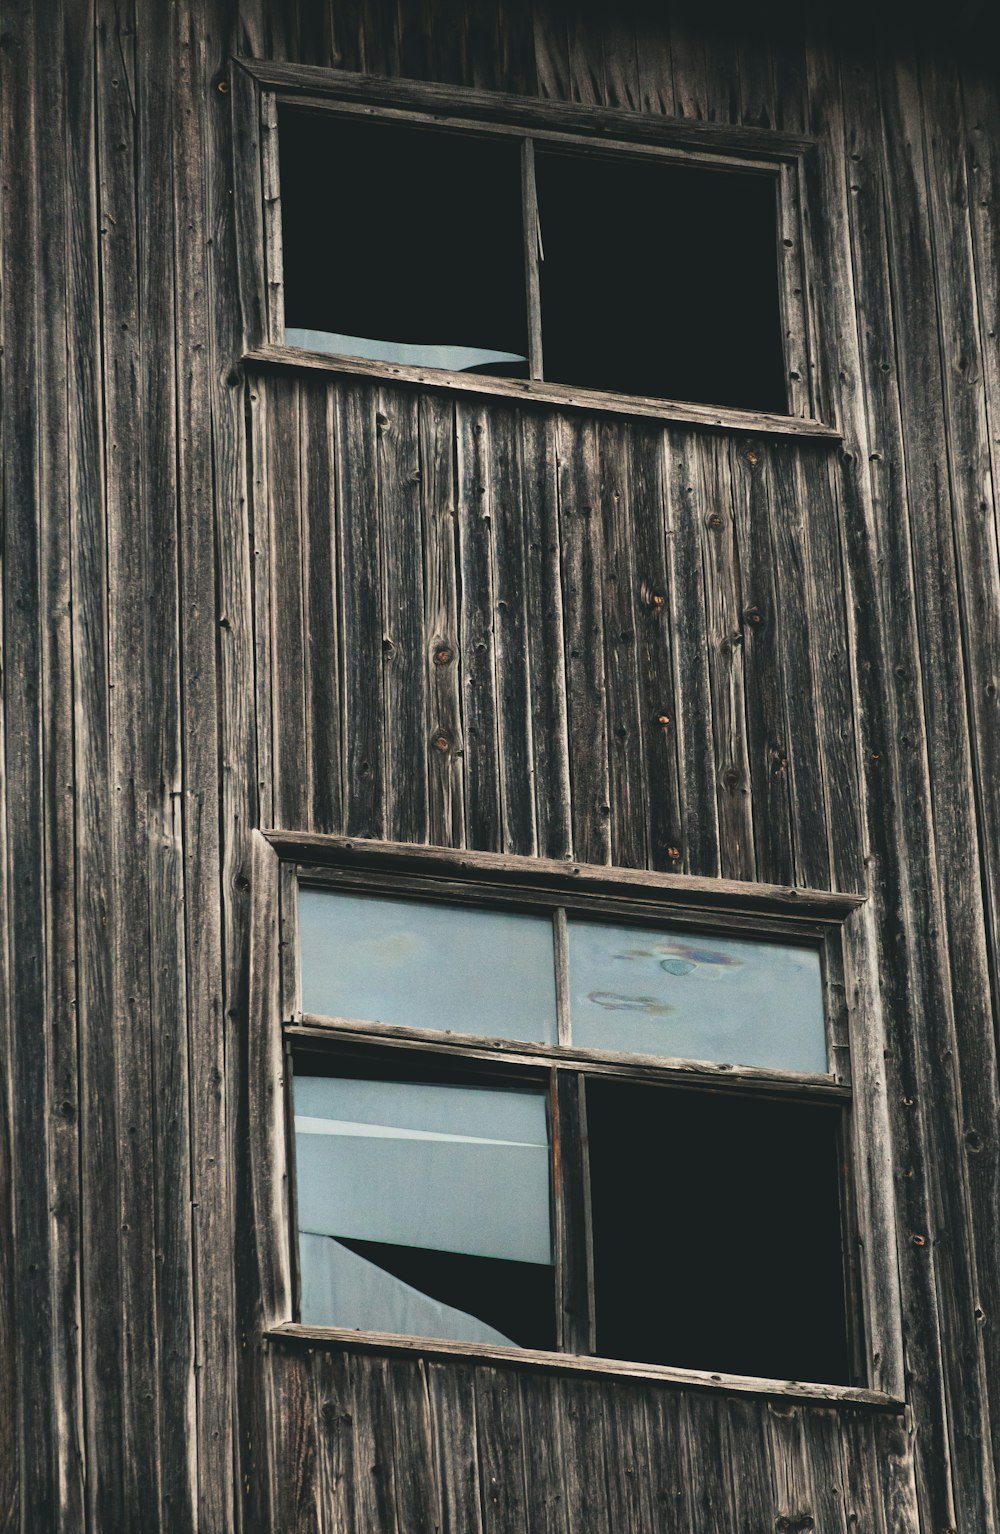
[284,860]
[260,89]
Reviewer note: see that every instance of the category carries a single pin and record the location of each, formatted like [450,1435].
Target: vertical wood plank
[362,730]
[514,716]
[335,1433]
[453,1412]
[796,641]
[656,75]
[322,658]
[24,470]
[297,1479]
[418,1499]
[405,706]
[444,738]
[552,67]
[971,920]
[959,980]
[58,809]
[544,626]
[483,808]
[291,723]
[626,736]
[762,645]
[687,57]
[723,600]
[686,505]
[586,688]
[130,655]
[543,1455]
[585,1455]
[219,757]
[179,592]
[500,1438]
[374,1467]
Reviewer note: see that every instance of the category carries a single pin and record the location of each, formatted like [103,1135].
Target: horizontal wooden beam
[683,891]
[655,1069]
[571,1363]
[525,111]
[540,391]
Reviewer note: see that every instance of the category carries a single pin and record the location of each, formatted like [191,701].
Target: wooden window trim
[282,859]
[259,89]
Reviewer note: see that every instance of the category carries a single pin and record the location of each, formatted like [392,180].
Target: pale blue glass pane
[461,1170]
[455,1169]
[456,968]
[687,997]
[411,353]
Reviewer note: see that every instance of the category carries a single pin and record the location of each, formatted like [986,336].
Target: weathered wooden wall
[665,647]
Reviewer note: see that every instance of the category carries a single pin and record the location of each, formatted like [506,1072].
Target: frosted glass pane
[424,1209]
[687,997]
[456,968]
[457,1169]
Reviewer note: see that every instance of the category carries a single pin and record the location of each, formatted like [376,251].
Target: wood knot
[441,742]
[443,655]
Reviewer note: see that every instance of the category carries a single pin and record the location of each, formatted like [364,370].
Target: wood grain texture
[236,596]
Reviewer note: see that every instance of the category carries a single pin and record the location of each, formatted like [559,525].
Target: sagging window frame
[277,1025]
[259,89]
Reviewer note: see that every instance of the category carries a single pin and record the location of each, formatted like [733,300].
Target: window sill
[569,1363]
[538,391]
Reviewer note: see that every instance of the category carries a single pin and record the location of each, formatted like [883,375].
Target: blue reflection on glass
[684,997]
[457,968]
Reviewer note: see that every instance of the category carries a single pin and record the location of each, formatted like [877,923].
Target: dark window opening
[410,245]
[660,279]
[402,244]
[716,1232]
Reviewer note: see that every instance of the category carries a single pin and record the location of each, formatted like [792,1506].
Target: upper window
[639,274]
[566,1124]
[617,261]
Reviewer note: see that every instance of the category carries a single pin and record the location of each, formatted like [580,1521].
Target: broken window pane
[716,1232]
[696,997]
[424,1209]
[402,243]
[419,965]
[660,279]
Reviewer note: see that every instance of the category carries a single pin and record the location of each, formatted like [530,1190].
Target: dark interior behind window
[717,1237]
[404,236]
[660,279]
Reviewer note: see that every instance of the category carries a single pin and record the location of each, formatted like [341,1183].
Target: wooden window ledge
[570,1363]
[538,391]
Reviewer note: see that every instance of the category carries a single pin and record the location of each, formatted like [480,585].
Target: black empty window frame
[626,272]
[664,1214]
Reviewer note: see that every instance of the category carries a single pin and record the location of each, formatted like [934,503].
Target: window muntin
[508,255]
[700,1217]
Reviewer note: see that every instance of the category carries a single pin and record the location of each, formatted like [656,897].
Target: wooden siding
[234,599]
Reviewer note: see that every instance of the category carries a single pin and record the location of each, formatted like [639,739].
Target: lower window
[514,1126]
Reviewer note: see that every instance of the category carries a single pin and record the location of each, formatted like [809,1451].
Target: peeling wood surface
[240,597]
